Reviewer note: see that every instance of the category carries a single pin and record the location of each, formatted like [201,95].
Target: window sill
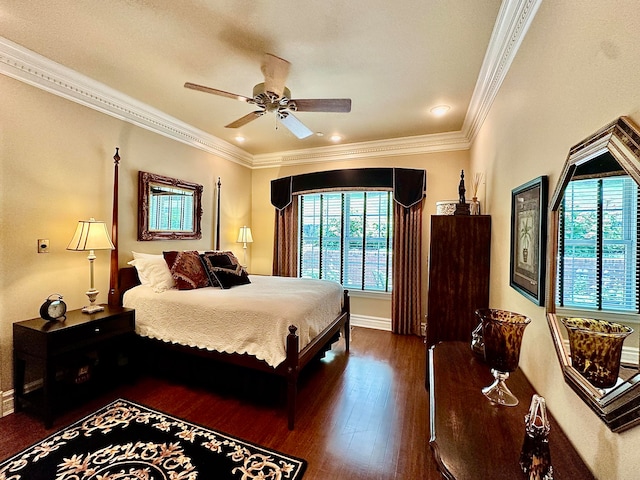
[610,316]
[369,294]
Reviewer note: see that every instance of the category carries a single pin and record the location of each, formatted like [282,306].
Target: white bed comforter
[252,319]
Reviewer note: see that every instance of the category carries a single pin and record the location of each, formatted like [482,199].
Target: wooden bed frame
[125,278]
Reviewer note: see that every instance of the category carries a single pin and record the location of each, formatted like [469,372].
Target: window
[598,250]
[347,237]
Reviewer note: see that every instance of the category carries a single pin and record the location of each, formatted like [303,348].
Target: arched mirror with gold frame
[612,153]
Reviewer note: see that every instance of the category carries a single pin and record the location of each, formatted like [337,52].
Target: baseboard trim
[377,323]
[6,408]
[8,405]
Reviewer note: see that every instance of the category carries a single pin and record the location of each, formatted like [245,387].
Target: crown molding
[441,142]
[513,22]
[514,19]
[34,69]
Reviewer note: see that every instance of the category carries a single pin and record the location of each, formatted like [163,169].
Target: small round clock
[53,308]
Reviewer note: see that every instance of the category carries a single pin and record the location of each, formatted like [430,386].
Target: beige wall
[57,168]
[576,71]
[443,176]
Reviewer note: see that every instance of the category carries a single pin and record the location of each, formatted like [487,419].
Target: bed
[315,313]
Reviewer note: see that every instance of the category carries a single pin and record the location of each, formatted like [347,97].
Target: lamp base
[92,309]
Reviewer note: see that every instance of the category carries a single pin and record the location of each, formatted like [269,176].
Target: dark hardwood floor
[362,415]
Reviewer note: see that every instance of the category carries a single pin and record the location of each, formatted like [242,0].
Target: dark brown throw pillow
[220,258]
[224,269]
[216,258]
[186,269]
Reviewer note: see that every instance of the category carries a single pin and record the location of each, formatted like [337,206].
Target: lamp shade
[90,234]
[244,235]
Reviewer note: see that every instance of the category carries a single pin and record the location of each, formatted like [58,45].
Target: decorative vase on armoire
[459,261]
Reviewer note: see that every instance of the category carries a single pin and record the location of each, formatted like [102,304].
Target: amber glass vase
[596,349]
[502,333]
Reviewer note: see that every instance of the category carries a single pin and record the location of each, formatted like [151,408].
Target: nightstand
[85,349]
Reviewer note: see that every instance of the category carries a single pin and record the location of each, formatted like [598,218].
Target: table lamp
[91,235]
[244,237]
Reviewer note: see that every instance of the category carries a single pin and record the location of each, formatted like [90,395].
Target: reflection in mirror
[168,208]
[594,279]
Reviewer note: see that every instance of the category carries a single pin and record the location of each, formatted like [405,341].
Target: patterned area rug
[127,441]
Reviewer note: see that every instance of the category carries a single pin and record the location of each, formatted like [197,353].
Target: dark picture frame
[529,239]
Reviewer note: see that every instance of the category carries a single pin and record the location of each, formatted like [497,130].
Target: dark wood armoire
[459,261]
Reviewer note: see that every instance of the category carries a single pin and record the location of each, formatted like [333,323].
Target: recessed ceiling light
[319,134]
[336,138]
[440,110]
[240,138]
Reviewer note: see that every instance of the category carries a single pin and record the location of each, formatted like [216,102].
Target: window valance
[408,185]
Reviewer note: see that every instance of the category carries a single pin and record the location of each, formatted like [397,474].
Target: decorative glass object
[596,348]
[502,333]
[477,343]
[474,206]
[535,457]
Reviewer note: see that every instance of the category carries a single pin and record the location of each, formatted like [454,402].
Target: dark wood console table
[470,437]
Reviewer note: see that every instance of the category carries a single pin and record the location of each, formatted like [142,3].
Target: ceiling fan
[272,96]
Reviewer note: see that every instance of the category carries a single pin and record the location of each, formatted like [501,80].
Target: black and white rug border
[250,463]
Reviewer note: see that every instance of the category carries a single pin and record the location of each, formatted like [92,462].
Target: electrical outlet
[43,245]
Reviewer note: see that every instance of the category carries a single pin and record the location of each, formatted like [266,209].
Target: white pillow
[142,271]
[153,271]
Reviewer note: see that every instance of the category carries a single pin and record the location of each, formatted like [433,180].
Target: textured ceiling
[395,60]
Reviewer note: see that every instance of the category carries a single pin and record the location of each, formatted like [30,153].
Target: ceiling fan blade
[275,71]
[296,127]
[215,91]
[246,119]
[337,105]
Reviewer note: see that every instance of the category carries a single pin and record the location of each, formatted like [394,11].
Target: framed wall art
[529,239]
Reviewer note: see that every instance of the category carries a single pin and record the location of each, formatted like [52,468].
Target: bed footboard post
[346,308]
[293,346]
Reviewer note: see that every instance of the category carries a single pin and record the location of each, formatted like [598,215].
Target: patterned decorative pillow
[213,258]
[223,269]
[186,269]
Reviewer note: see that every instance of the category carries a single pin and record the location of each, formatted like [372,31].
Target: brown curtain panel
[285,243]
[406,303]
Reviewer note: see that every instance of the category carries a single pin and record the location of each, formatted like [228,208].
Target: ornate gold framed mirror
[168,208]
[594,266]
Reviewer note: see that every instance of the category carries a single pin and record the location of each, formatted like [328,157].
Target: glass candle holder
[502,332]
[596,349]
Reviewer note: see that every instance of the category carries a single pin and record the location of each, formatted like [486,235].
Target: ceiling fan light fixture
[440,110]
[273,96]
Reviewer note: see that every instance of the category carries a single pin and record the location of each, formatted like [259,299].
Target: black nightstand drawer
[88,334]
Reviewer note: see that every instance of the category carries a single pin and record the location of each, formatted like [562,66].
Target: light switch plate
[43,245]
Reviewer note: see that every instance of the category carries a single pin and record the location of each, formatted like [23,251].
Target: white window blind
[171,209]
[598,254]
[347,237]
